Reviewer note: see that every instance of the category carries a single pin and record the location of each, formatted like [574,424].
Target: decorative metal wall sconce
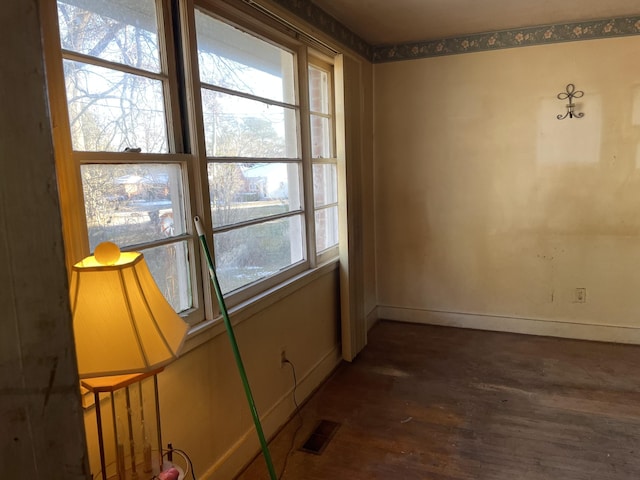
[570,94]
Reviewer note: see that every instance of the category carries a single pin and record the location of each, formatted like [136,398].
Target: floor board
[438,403]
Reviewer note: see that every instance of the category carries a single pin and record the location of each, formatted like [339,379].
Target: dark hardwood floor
[437,403]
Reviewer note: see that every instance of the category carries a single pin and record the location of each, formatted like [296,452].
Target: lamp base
[133,433]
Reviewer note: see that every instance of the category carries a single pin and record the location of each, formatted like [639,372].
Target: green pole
[234,347]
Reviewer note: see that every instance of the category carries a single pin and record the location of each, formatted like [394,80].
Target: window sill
[209,329]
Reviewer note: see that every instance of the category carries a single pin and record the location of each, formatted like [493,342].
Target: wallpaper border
[519,37]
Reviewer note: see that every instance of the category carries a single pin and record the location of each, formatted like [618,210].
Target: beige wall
[203,404]
[490,212]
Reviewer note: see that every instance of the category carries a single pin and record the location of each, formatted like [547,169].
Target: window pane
[247,191]
[325,184]
[326,228]
[232,59]
[318,90]
[134,203]
[238,127]
[111,110]
[169,265]
[248,254]
[118,31]
[320,137]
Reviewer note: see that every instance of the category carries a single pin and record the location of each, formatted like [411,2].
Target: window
[119,107]
[325,164]
[145,157]
[254,162]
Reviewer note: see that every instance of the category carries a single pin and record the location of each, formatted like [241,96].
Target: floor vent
[320,437]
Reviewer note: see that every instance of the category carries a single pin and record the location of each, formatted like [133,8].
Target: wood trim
[167,46]
[202,333]
[198,185]
[305,149]
[76,241]
[350,155]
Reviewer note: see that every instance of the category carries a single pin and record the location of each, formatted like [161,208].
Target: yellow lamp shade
[121,321]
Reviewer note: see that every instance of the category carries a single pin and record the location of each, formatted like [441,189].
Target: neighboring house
[255,188]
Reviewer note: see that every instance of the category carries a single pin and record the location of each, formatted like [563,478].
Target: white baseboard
[530,326]
[372,318]
[247,446]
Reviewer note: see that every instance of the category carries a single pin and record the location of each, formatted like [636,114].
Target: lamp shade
[121,321]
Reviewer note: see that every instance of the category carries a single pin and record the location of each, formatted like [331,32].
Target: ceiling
[381,22]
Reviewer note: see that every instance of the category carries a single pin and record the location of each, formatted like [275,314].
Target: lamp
[121,321]
[125,332]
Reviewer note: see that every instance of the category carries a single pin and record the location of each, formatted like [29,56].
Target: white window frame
[186,144]
[323,64]
[69,161]
[219,12]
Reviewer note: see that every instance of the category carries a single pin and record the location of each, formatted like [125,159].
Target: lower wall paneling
[248,446]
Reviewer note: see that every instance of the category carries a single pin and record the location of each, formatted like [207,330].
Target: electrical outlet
[580,295]
[283,356]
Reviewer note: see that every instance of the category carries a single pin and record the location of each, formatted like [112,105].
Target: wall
[40,415]
[203,404]
[490,212]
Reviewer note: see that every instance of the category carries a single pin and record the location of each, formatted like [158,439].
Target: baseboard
[530,326]
[372,318]
[247,446]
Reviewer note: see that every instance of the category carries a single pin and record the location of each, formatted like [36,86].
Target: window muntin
[110,110]
[131,204]
[325,184]
[170,267]
[118,92]
[325,196]
[251,125]
[326,228]
[142,206]
[321,134]
[245,192]
[319,98]
[120,31]
[321,118]
[232,59]
[114,83]
[246,255]
[325,165]
[240,127]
